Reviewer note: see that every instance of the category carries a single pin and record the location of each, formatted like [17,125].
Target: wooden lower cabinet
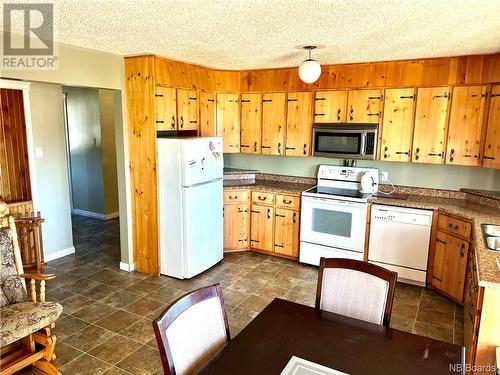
[236,226]
[262,227]
[286,232]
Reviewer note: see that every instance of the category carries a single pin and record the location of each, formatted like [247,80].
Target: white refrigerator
[190,172]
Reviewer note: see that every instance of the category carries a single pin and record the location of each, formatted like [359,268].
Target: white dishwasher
[399,241]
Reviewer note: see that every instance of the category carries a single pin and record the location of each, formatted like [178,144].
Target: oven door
[338,143]
[334,223]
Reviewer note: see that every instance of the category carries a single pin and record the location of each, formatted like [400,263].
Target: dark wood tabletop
[285,329]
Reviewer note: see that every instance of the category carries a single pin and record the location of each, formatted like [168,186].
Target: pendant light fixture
[309,70]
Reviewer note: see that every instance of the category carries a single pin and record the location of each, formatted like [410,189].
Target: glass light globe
[309,71]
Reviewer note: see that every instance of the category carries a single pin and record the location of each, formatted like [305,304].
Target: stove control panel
[346,174]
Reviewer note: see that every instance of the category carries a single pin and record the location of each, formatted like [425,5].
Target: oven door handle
[334,201]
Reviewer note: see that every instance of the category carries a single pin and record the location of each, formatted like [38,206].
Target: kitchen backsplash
[407,174]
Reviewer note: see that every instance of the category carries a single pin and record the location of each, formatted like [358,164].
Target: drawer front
[288,201]
[261,197]
[236,196]
[455,226]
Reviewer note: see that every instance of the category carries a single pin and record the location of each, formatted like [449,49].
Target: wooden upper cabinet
[465,127]
[165,108]
[273,123]
[492,143]
[286,233]
[251,123]
[364,106]
[330,106]
[207,114]
[299,124]
[397,129]
[187,109]
[430,125]
[228,121]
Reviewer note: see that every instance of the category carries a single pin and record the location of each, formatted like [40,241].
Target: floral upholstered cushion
[12,288]
[22,319]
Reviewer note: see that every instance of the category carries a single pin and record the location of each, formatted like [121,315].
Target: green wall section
[419,175]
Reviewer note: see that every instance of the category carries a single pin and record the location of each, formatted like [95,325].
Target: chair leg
[47,367]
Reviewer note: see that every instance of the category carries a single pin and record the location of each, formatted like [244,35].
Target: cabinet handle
[294,217]
[245,100]
[268,213]
[441,154]
[255,147]
[233,197]
[210,100]
[462,250]
[351,113]
[254,240]
[182,122]
[319,114]
[173,122]
[160,121]
[193,121]
[265,146]
[279,245]
[261,198]
[376,97]
[319,99]
[374,114]
[192,98]
[440,241]
[450,225]
[478,95]
[452,154]
[402,152]
[338,114]
[278,215]
[417,153]
[290,148]
[255,211]
[279,148]
[407,97]
[244,145]
[286,201]
[447,96]
[385,152]
[488,157]
[159,95]
[267,100]
[292,100]
[305,149]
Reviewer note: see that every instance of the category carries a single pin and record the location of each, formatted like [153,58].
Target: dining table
[285,329]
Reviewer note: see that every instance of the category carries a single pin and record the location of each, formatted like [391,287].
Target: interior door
[207,114]
[165,108]
[228,121]
[251,123]
[430,125]
[330,106]
[262,227]
[492,144]
[299,124]
[187,109]
[273,123]
[465,128]
[397,128]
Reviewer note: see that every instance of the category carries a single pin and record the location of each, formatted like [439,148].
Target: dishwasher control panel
[402,215]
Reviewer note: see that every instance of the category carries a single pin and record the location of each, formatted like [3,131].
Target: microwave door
[338,144]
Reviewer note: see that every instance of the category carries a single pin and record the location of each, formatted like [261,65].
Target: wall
[421,175]
[52,169]
[85,149]
[108,150]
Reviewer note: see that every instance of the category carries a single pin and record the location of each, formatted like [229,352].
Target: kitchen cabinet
[228,121]
[397,128]
[187,109]
[450,256]
[262,227]
[465,127]
[430,125]
[165,103]
[492,143]
[364,106]
[273,123]
[251,123]
[330,106]
[286,234]
[236,219]
[299,124]
[207,114]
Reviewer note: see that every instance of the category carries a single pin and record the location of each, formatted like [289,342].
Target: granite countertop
[231,171]
[488,261]
[268,185]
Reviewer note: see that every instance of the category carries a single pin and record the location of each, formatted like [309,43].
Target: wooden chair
[23,322]
[357,289]
[191,330]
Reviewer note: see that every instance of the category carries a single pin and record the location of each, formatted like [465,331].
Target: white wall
[51,170]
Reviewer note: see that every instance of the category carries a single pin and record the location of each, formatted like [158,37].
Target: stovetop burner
[336,192]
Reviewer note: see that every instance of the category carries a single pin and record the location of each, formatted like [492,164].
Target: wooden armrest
[37,276]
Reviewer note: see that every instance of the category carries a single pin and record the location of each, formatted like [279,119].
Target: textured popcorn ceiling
[248,34]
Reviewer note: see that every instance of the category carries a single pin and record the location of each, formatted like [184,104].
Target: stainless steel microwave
[348,141]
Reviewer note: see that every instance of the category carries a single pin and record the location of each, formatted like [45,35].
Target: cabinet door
[187,109]
[273,123]
[430,125]
[330,106]
[251,123]
[286,232]
[492,144]
[228,121]
[397,129]
[262,228]
[364,106]
[299,124]
[165,108]
[236,226]
[207,114]
[450,262]
[466,125]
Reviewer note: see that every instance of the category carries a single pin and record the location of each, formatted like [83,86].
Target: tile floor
[106,324]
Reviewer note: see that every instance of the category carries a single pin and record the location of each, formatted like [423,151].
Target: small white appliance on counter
[333,214]
[190,172]
[399,241]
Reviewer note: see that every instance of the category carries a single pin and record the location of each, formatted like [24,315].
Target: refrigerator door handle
[203,183]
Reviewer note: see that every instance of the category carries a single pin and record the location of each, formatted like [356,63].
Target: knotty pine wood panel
[142,148]
[14,165]
[207,114]
[491,152]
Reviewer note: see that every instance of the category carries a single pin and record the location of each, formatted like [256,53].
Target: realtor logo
[28,36]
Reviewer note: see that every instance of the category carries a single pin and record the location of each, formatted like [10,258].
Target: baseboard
[59,254]
[129,267]
[95,215]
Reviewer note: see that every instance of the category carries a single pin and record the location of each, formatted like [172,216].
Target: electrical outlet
[385,176]
[39,152]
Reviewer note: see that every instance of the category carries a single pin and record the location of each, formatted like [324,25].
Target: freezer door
[203,227]
[201,160]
